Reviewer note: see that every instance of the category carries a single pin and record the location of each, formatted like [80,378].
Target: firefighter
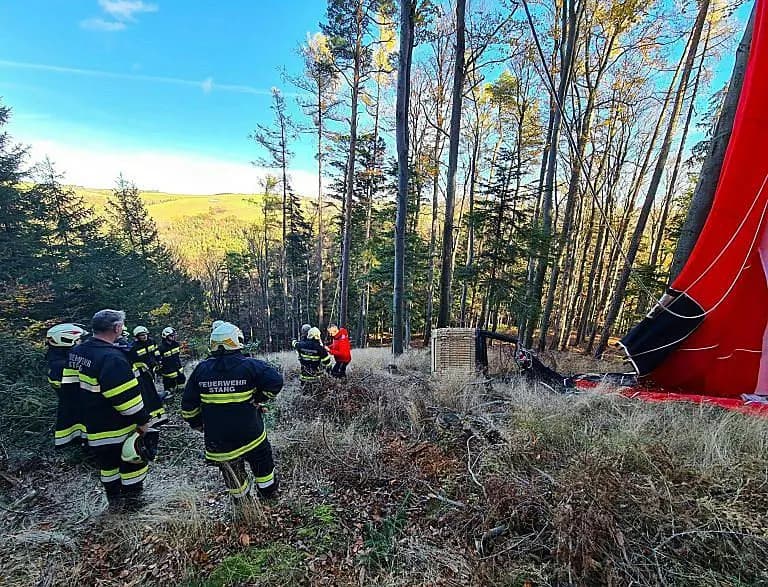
[222,400]
[340,349]
[112,406]
[124,340]
[70,429]
[304,331]
[313,358]
[143,355]
[170,361]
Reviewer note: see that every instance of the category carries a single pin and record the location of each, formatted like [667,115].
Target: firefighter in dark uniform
[170,361]
[70,429]
[222,399]
[143,355]
[113,407]
[313,358]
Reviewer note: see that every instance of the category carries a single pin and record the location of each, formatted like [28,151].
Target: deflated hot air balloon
[708,334]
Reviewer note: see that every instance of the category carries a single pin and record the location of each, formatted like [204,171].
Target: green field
[194,226]
[166,208]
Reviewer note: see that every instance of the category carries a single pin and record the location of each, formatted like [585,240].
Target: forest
[537,170]
[526,168]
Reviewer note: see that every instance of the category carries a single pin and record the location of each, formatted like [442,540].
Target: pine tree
[71,226]
[348,27]
[321,80]
[276,140]
[18,236]
[132,223]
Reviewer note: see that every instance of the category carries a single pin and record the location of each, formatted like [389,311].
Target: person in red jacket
[340,349]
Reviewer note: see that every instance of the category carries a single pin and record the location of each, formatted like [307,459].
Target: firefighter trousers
[152,402]
[118,477]
[263,467]
[70,429]
[171,383]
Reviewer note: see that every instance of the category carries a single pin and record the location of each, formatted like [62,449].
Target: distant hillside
[167,208]
[197,227]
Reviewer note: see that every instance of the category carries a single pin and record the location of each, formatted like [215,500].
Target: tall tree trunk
[573,183]
[658,241]
[634,245]
[365,294]
[470,225]
[320,227]
[284,251]
[350,175]
[446,269]
[568,35]
[407,8]
[436,153]
[713,164]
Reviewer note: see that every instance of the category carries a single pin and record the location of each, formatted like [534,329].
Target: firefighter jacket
[170,361]
[69,422]
[142,361]
[222,395]
[145,354]
[313,358]
[340,347]
[112,403]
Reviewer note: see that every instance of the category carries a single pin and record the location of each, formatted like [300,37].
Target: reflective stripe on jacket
[313,358]
[170,360]
[222,395]
[112,404]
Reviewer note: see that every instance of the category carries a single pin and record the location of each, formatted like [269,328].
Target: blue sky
[184,79]
[165,91]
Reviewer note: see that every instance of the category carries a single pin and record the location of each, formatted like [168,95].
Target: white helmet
[228,337]
[140,330]
[314,333]
[168,331]
[64,335]
[216,324]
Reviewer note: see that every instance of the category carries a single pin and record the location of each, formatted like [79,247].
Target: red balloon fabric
[725,272]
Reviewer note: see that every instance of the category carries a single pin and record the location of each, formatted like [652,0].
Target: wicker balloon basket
[454,351]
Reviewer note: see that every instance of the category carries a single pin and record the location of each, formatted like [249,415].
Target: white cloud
[97,166]
[206,85]
[99,24]
[119,13]
[126,9]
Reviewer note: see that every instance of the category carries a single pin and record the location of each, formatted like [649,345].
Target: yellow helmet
[228,337]
[314,333]
[64,335]
[140,448]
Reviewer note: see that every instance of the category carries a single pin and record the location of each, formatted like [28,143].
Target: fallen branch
[721,532]
[12,508]
[469,468]
[444,499]
[488,535]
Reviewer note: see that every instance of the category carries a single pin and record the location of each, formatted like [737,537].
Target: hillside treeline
[61,261]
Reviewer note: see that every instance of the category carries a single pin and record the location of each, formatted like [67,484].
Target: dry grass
[394,478]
